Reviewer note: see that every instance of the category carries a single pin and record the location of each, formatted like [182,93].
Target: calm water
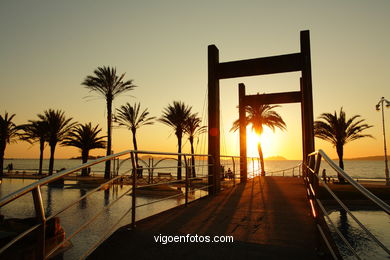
[357,169]
[377,222]
[55,198]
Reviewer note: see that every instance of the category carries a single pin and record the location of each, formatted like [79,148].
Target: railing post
[234,172]
[316,171]
[308,167]
[133,195]
[40,215]
[293,172]
[253,169]
[117,166]
[186,182]
[151,165]
[299,170]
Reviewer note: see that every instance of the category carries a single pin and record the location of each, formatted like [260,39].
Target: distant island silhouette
[370,158]
[276,158]
[91,157]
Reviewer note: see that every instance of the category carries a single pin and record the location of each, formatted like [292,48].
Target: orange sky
[48,48]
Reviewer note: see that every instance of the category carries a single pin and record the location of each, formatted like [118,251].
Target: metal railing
[312,181]
[296,171]
[129,176]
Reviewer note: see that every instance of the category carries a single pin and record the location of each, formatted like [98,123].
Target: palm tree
[58,127]
[176,116]
[338,130]
[259,116]
[35,131]
[131,117]
[109,85]
[194,129]
[8,134]
[85,137]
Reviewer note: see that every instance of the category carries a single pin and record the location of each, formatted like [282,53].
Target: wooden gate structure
[253,67]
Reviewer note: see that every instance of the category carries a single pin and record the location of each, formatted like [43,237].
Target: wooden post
[242,132]
[213,120]
[303,123]
[259,66]
[307,93]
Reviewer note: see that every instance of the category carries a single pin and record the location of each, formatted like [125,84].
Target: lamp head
[378,107]
[387,103]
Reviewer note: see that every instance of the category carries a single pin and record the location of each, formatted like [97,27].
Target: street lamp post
[378,107]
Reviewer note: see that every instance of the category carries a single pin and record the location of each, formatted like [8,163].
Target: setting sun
[267,140]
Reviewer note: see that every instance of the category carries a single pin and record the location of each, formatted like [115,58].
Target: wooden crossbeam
[274,98]
[260,66]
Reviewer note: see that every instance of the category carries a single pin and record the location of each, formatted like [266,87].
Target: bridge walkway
[269,218]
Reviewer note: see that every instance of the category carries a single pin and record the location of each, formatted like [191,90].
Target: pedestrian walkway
[269,218]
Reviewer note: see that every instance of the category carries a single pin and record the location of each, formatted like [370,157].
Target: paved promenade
[269,218]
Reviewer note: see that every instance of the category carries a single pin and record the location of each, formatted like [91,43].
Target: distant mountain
[275,158]
[370,158]
[91,157]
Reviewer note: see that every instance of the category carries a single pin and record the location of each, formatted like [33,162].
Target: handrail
[312,179]
[283,170]
[56,176]
[357,185]
[36,186]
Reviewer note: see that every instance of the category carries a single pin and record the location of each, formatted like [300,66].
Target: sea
[55,198]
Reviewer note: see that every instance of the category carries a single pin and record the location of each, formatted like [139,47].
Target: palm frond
[338,130]
[131,117]
[58,126]
[8,130]
[85,137]
[107,83]
[260,115]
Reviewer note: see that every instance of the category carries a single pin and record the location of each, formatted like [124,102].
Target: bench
[164,176]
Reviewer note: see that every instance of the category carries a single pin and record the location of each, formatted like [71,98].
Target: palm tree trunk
[192,158]
[340,153]
[41,148]
[135,146]
[109,119]
[51,161]
[261,158]
[84,159]
[2,149]
[179,157]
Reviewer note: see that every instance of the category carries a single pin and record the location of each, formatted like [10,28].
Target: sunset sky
[49,47]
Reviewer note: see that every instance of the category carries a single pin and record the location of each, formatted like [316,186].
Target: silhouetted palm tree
[8,134]
[259,116]
[132,117]
[85,137]
[339,130]
[109,85]
[194,129]
[58,127]
[176,116]
[35,131]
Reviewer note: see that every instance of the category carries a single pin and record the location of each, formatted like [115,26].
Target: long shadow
[207,216]
[226,211]
[288,213]
[201,212]
[214,216]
